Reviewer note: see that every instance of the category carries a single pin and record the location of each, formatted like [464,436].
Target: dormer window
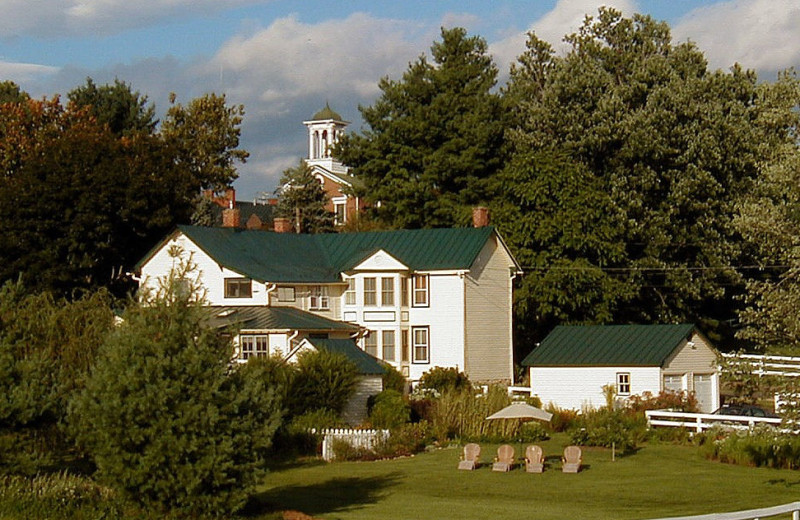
[238,288]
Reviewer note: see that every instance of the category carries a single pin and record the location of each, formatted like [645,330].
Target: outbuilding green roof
[298,258]
[365,363]
[608,345]
[273,318]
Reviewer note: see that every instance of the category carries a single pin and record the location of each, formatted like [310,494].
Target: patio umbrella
[521,411]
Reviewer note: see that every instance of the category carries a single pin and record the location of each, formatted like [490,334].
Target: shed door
[704,391]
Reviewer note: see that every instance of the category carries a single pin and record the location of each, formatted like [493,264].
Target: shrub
[59,496]
[677,401]
[169,423]
[607,427]
[406,440]
[389,409]
[394,380]
[297,438]
[563,419]
[762,446]
[444,379]
[321,380]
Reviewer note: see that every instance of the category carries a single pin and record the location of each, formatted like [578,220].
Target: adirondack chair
[571,461]
[505,458]
[471,456]
[534,459]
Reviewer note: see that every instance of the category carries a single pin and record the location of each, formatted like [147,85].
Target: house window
[623,383]
[371,344]
[319,298]
[286,294]
[388,345]
[370,292]
[350,293]
[421,346]
[404,292]
[253,345]
[238,288]
[387,291]
[404,350]
[339,214]
[421,290]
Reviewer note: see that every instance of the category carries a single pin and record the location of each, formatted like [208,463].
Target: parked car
[748,410]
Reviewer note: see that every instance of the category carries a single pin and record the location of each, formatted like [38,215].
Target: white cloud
[21,73]
[98,17]
[758,34]
[565,18]
[290,60]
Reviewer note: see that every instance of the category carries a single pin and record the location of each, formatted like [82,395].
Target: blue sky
[284,59]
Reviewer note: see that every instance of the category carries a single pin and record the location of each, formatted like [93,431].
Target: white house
[573,364]
[415,299]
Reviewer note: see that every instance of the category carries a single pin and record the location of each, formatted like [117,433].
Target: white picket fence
[703,421]
[363,439]
[750,514]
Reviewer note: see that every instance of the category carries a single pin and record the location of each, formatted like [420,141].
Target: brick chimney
[480,216]
[231,217]
[282,225]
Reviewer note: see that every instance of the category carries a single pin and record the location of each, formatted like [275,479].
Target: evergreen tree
[660,151]
[434,137]
[302,196]
[11,93]
[167,419]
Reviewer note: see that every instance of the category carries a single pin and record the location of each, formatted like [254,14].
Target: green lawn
[659,480]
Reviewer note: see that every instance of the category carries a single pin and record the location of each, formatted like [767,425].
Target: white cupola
[324,130]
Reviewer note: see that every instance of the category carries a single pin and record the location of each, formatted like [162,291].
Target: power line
[657,269]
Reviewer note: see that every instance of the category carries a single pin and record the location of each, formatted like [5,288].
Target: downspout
[270,288]
[289,340]
[462,275]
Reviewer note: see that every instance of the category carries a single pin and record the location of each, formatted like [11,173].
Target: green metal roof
[366,364]
[608,345]
[298,258]
[326,113]
[273,318]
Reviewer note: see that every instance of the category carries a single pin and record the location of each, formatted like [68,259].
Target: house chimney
[230,197]
[282,225]
[231,217]
[480,216]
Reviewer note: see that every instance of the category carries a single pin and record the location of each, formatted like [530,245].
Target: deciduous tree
[661,149]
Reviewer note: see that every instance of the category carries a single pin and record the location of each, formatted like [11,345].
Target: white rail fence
[770,365]
[361,439]
[750,514]
[703,421]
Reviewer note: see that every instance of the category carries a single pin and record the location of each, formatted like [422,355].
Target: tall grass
[461,414]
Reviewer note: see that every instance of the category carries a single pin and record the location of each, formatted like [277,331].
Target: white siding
[445,317]
[208,273]
[355,411]
[579,387]
[696,362]
[489,346]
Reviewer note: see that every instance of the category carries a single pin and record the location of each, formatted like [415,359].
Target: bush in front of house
[321,380]
[443,380]
[394,380]
[168,422]
[608,427]
[665,400]
[388,409]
